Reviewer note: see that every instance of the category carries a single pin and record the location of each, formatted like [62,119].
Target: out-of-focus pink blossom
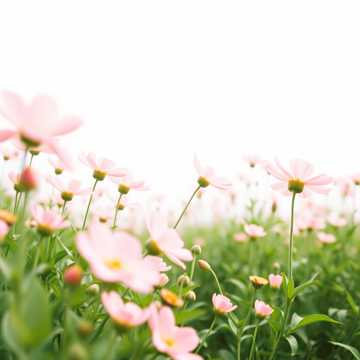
[125,315]
[240,237]
[262,309]
[326,238]
[68,189]
[208,176]
[336,220]
[128,182]
[4,229]
[275,281]
[254,231]
[177,342]
[165,240]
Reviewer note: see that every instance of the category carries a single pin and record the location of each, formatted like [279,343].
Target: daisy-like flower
[258,281]
[127,183]
[47,221]
[116,257]
[337,220]
[177,342]
[346,185]
[68,189]
[298,179]
[165,240]
[240,237]
[326,238]
[125,315]
[254,231]
[36,123]
[275,281]
[9,153]
[58,165]
[101,167]
[253,160]
[222,304]
[262,309]
[208,176]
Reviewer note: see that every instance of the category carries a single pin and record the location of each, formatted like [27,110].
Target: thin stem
[63,208]
[88,206]
[15,202]
[186,207]
[291,245]
[31,160]
[252,351]
[192,271]
[217,280]
[206,336]
[117,210]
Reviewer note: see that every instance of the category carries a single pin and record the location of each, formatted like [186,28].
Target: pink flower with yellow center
[128,182]
[47,221]
[68,189]
[222,304]
[125,315]
[275,281]
[254,231]
[299,179]
[262,309]
[177,342]
[117,257]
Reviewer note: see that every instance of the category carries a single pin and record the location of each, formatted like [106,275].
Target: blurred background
[157,81]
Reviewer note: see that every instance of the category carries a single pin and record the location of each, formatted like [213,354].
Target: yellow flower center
[296,186]
[169,342]
[113,264]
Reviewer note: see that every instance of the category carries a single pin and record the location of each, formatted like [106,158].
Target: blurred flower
[240,237]
[28,179]
[275,281]
[254,231]
[36,123]
[207,176]
[47,221]
[258,281]
[299,179]
[73,275]
[252,160]
[115,257]
[68,189]
[4,229]
[126,315]
[177,342]
[127,183]
[165,240]
[222,304]
[326,238]
[101,166]
[262,309]
[346,185]
[58,165]
[337,220]
[8,217]
[9,153]
[170,298]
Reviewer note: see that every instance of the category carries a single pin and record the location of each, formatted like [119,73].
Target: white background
[156,81]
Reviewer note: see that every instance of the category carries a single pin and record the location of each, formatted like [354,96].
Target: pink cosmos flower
[165,240]
[177,342]
[36,123]
[9,153]
[68,189]
[326,238]
[58,165]
[275,281]
[309,221]
[222,304]
[207,176]
[125,315]
[299,179]
[47,221]
[262,309]
[115,257]
[346,185]
[101,166]
[240,237]
[128,182]
[252,160]
[337,220]
[254,231]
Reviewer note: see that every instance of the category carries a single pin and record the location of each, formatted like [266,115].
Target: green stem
[252,351]
[16,200]
[291,245]
[186,207]
[63,208]
[31,160]
[88,206]
[117,210]
[217,280]
[206,336]
[192,271]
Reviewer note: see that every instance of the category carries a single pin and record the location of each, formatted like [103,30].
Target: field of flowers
[262,266]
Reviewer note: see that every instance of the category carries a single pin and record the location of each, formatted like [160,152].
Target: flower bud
[123,189]
[204,265]
[196,250]
[183,280]
[275,281]
[164,279]
[203,182]
[67,196]
[99,175]
[171,298]
[93,289]
[258,281]
[28,179]
[78,352]
[190,295]
[58,171]
[85,328]
[73,275]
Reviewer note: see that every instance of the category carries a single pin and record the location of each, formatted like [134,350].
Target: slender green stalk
[253,344]
[63,208]
[117,210]
[31,159]
[15,201]
[192,270]
[89,203]
[217,280]
[206,336]
[186,206]
[291,245]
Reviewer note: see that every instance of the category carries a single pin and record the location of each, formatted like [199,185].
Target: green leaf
[303,286]
[275,319]
[185,316]
[349,348]
[310,319]
[293,344]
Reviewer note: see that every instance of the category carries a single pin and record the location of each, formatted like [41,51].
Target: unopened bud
[73,275]
[85,328]
[204,265]
[123,189]
[183,280]
[196,249]
[170,298]
[190,295]
[28,179]
[258,281]
[164,279]
[78,352]
[93,289]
